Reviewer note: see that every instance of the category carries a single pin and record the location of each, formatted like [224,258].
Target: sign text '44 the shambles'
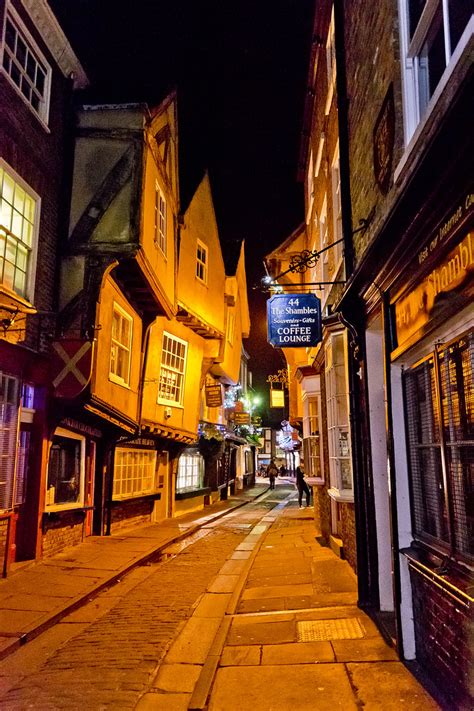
[294,320]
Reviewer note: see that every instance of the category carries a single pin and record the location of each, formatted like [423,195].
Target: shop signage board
[71,365]
[213,395]
[294,320]
[241,418]
[277,398]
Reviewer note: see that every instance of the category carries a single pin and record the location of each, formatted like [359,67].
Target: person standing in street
[272,473]
[302,486]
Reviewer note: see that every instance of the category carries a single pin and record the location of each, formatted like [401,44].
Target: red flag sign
[71,366]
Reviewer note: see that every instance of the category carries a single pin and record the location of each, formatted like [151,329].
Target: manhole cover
[321,630]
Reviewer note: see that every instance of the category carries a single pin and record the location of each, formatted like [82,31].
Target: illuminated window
[17,233]
[331,62]
[311,441]
[172,370]
[9,406]
[65,486]
[230,326]
[337,397]
[432,36]
[160,220]
[190,471]
[121,346]
[201,261]
[134,472]
[336,211]
[25,66]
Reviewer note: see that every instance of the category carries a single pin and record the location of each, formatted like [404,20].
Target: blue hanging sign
[294,320]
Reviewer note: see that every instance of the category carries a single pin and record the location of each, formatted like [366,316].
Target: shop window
[18,217]
[431,31]
[190,471]
[121,346]
[440,422]
[340,467]
[25,66]
[9,407]
[201,261]
[160,220]
[311,441]
[172,370]
[134,472]
[65,487]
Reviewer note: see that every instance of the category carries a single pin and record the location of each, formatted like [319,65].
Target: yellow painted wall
[122,398]
[186,415]
[204,300]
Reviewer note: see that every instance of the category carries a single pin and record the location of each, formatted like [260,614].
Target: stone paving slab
[262,633]
[163,702]
[363,650]
[244,655]
[178,678]
[212,605]
[193,644]
[298,653]
[277,591]
[304,687]
[393,683]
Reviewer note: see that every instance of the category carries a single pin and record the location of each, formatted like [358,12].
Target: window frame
[162,400]
[68,434]
[114,377]
[202,265]
[152,488]
[335,425]
[32,257]
[449,544]
[197,479]
[161,221]
[336,214]
[10,13]
[410,49]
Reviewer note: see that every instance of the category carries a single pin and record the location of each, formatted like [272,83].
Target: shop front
[431,362]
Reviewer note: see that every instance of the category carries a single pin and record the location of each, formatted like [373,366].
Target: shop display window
[134,472]
[190,471]
[65,485]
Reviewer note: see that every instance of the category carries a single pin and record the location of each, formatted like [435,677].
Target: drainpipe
[364,505]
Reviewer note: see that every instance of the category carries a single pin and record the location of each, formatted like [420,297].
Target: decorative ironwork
[303,261]
[281,377]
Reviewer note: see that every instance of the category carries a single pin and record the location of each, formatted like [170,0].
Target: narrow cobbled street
[248,612]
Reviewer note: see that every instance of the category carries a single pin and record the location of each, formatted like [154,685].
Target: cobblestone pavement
[103,655]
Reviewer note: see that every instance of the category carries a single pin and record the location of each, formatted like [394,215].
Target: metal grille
[429,505]
[458,423]
[323,630]
[441,387]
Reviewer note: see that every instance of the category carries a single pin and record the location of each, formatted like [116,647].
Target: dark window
[440,427]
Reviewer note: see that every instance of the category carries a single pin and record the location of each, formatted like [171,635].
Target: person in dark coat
[272,473]
[302,486]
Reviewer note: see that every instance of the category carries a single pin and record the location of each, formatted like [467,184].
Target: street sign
[241,418]
[277,398]
[294,320]
[71,365]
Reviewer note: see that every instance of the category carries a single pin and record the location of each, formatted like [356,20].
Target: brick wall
[322,511]
[371,68]
[131,513]
[349,534]
[444,633]
[61,531]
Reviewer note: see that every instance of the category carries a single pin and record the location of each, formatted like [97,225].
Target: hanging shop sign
[241,418]
[277,398]
[294,320]
[71,366]
[213,395]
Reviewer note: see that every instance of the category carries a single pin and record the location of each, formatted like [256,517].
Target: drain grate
[322,630]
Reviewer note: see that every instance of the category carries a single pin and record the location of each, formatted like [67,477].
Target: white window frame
[68,434]
[310,188]
[202,265]
[142,465]
[312,431]
[335,425]
[115,377]
[230,330]
[32,248]
[410,64]
[336,211]
[161,220]
[42,113]
[180,372]
[331,62]
[191,470]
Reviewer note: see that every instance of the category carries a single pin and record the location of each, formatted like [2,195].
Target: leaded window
[134,472]
[190,471]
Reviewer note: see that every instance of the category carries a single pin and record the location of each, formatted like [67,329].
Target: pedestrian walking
[302,486]
[282,470]
[272,473]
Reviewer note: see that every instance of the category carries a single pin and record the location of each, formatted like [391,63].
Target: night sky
[240,69]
